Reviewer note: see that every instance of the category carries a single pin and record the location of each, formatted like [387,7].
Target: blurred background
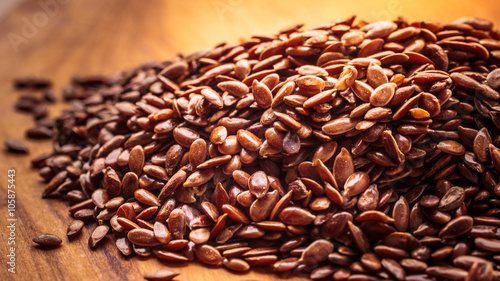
[95,36]
[57,39]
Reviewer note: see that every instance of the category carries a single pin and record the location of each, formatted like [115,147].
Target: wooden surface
[93,37]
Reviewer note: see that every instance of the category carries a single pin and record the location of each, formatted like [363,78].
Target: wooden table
[94,37]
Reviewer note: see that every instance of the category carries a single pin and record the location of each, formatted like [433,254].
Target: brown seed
[198,178]
[291,143]
[136,160]
[383,94]
[170,256]
[451,273]
[161,275]
[418,113]
[401,214]
[488,244]
[339,126]
[112,183]
[197,152]
[214,162]
[213,97]
[100,197]
[185,136]
[39,132]
[374,215]
[413,265]
[481,145]
[376,76]
[282,203]
[371,262]
[379,29]
[320,98]
[199,235]
[218,135]
[208,255]
[310,85]
[285,264]
[465,81]
[142,237]
[210,210]
[377,113]
[452,199]
[261,260]
[127,211]
[74,228]
[480,271]
[54,183]
[391,147]
[172,158]
[146,197]
[362,90]
[47,240]
[325,151]
[236,264]
[316,252]
[15,146]
[258,184]
[235,214]
[98,235]
[172,184]
[234,88]
[161,233]
[346,78]
[356,183]
[368,199]
[248,140]
[359,237]
[296,216]
[263,206]
[451,147]
[343,167]
[288,120]
[130,183]
[394,268]
[262,95]
[493,79]
[402,240]
[177,223]
[124,246]
[230,146]
[456,227]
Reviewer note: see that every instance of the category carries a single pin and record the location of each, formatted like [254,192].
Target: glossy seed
[296,216]
[383,94]
[161,275]
[339,126]
[74,228]
[316,252]
[98,235]
[136,160]
[208,255]
[343,166]
[258,184]
[451,147]
[47,240]
[356,183]
[261,94]
[142,237]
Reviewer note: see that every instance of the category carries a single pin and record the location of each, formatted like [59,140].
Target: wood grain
[94,37]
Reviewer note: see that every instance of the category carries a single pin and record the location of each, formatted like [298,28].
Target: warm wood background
[93,37]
